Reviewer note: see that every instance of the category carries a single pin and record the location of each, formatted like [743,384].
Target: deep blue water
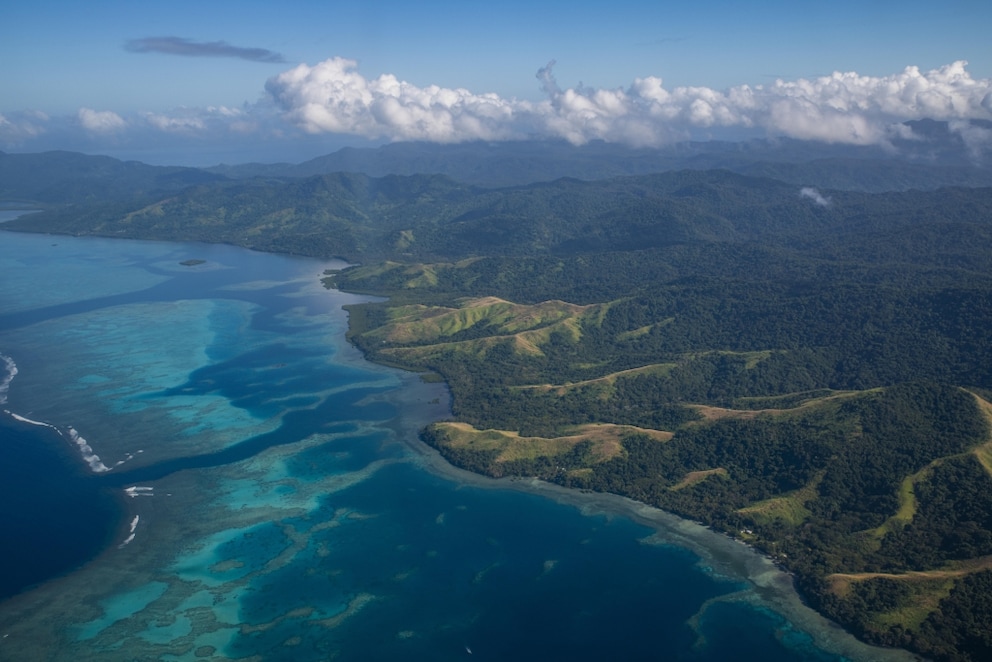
[233,377]
[48,497]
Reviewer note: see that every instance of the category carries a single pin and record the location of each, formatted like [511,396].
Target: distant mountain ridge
[70,177]
[939,158]
[433,217]
[936,157]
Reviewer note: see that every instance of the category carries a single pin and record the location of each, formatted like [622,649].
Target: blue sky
[209,81]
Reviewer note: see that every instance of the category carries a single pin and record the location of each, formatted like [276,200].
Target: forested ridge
[807,370]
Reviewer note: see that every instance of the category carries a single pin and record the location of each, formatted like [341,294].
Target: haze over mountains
[934,157]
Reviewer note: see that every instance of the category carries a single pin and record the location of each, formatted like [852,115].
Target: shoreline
[419,403]
[769,585]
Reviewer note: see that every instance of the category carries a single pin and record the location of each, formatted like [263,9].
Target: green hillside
[807,371]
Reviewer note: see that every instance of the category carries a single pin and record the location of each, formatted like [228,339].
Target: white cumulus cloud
[201,121]
[100,121]
[175,124]
[21,127]
[333,97]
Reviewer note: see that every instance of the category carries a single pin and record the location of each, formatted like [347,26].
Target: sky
[211,81]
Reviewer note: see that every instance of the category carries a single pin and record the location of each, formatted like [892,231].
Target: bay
[197,465]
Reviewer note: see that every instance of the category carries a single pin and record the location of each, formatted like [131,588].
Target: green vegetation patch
[501,452]
[602,385]
[496,317]
[644,330]
[916,603]
[983,452]
[789,509]
[907,503]
[695,477]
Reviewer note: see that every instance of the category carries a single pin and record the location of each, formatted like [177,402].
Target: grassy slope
[419,336]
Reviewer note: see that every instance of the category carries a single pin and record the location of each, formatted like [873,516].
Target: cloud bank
[308,110]
[250,132]
[190,48]
[333,97]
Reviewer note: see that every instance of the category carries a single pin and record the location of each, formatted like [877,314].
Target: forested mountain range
[807,367]
[57,178]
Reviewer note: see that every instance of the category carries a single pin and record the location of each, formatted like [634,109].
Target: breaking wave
[11,369]
[130,537]
[91,458]
[96,465]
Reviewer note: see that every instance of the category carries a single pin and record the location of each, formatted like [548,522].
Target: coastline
[724,555]
[769,585]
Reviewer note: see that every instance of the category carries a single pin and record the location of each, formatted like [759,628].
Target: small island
[192,263]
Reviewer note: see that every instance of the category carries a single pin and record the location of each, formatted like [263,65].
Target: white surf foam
[22,419]
[11,369]
[130,537]
[127,458]
[91,458]
[138,490]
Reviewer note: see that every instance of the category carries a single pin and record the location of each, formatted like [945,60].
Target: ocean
[196,465]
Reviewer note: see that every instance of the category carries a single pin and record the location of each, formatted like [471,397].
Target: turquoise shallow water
[271,502]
